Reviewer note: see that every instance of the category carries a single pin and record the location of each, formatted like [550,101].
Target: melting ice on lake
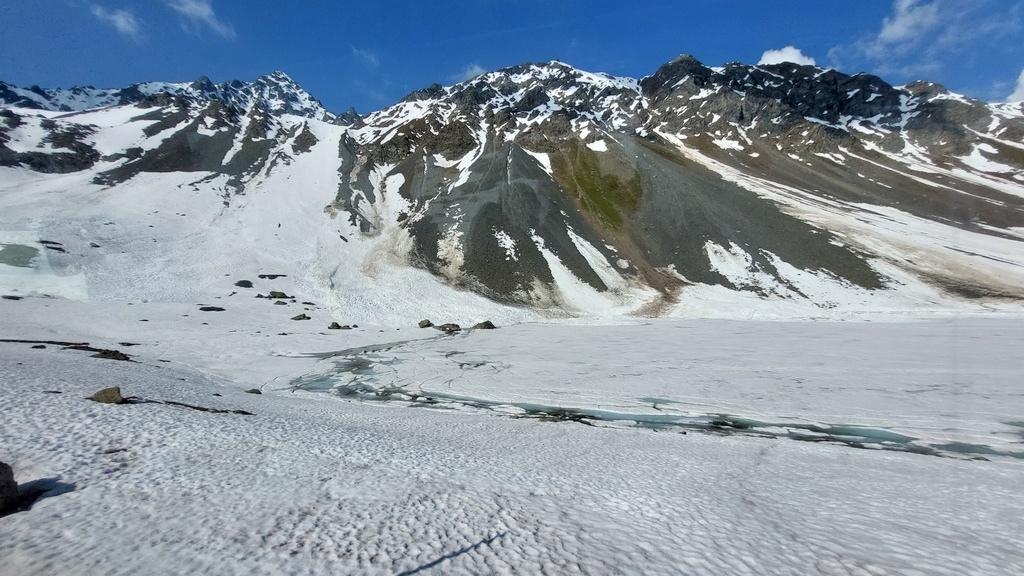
[948,386]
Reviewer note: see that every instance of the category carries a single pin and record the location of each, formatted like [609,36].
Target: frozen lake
[947,386]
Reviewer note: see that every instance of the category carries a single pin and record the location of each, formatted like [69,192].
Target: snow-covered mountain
[721,191]
[277,92]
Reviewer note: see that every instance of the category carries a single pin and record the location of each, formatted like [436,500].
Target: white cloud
[787,54]
[122,20]
[198,13]
[368,57]
[910,21]
[926,38]
[470,71]
[1018,92]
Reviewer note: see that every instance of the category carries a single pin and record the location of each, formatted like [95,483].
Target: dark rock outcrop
[110,395]
[8,490]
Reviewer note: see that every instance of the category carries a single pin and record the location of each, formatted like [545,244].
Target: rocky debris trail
[84,346]
[113,395]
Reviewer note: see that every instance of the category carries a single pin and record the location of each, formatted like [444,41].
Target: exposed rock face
[587,170]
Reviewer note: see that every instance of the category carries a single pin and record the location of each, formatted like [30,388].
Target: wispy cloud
[470,71]
[378,90]
[122,20]
[909,22]
[787,54]
[366,57]
[199,13]
[921,37]
[1018,92]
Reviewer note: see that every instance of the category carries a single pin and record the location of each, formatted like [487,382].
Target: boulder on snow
[301,317]
[485,325]
[277,294]
[109,396]
[8,490]
[426,323]
[253,391]
[449,328]
[334,326]
[244,283]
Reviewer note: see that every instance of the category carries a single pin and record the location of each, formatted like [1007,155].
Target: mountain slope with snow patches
[249,270]
[782,189]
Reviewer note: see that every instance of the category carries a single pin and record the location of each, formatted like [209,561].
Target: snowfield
[315,482]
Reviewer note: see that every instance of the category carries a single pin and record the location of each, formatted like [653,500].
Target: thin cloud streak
[910,20]
[470,71]
[366,56]
[199,13]
[921,39]
[122,20]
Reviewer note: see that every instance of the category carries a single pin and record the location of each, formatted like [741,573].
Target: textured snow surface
[313,484]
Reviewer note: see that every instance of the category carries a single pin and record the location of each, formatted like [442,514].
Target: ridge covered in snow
[792,189]
[277,91]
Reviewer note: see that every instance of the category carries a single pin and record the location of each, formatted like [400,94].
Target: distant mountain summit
[276,92]
[545,186]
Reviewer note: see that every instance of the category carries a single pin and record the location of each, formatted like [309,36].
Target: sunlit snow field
[879,445]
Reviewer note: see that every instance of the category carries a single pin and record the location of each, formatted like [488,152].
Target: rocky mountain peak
[277,92]
[204,87]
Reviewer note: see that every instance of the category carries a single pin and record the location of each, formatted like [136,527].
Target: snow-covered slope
[767,190]
[309,484]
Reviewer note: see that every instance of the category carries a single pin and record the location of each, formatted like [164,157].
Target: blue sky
[370,54]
